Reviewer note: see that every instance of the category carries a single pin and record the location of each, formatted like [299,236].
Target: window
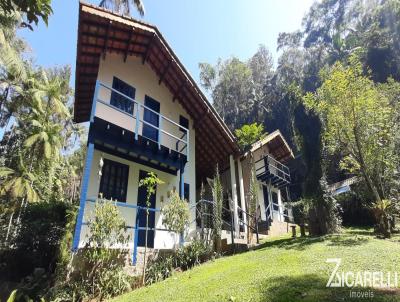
[184,122]
[120,101]
[114,180]
[181,146]
[151,117]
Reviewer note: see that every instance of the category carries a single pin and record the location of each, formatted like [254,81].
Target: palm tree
[19,184]
[123,6]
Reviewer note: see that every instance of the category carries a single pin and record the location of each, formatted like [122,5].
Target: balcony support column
[234,194]
[82,202]
[242,196]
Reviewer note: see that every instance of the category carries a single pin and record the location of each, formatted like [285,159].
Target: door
[119,100]
[114,180]
[151,118]
[141,201]
[266,202]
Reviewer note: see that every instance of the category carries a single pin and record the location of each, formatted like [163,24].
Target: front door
[266,202]
[141,201]
[151,118]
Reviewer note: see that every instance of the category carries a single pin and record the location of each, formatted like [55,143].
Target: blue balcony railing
[139,119]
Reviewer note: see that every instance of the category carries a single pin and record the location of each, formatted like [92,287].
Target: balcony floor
[120,142]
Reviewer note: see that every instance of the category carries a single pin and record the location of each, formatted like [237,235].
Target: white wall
[145,81]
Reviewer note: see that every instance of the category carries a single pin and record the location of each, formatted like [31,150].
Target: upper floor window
[184,122]
[120,101]
[151,118]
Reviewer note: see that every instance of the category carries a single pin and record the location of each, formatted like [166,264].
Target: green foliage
[196,252]
[217,191]
[252,202]
[150,183]
[175,214]
[359,121]
[159,269]
[283,269]
[249,134]
[123,6]
[34,9]
[184,258]
[99,272]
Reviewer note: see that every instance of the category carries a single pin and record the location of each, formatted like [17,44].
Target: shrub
[176,214]
[99,268]
[159,269]
[184,258]
[193,254]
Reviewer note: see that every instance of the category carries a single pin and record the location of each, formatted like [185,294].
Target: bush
[159,269]
[99,267]
[193,254]
[184,258]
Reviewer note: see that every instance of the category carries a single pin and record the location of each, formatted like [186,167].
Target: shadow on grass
[299,243]
[312,288]
[365,232]
[343,240]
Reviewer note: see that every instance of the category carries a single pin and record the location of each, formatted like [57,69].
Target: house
[146,114]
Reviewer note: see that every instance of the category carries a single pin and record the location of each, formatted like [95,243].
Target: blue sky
[198,31]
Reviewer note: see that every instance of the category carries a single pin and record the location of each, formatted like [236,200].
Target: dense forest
[334,94]
[255,91]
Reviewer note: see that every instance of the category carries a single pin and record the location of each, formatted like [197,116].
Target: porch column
[82,202]
[242,197]
[182,181]
[234,195]
[270,201]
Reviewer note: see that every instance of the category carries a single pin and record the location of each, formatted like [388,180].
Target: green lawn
[282,269]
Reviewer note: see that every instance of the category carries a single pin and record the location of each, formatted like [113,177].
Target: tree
[217,191]
[123,6]
[150,183]
[359,121]
[249,134]
[32,9]
[241,91]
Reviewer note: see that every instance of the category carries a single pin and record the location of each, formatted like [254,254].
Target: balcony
[269,169]
[127,128]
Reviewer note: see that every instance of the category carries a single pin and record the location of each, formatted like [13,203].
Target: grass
[282,269]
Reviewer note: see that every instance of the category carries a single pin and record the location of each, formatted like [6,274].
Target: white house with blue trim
[146,114]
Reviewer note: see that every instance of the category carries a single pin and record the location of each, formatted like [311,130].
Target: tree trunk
[302,230]
[145,248]
[9,226]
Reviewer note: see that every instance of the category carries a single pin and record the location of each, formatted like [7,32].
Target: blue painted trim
[82,202]
[127,205]
[135,240]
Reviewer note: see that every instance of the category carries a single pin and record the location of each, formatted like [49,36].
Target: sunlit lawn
[282,269]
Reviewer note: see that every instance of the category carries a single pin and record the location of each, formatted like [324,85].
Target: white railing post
[137,121]
[159,130]
[187,145]
[95,93]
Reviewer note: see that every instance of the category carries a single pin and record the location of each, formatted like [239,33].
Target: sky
[197,30]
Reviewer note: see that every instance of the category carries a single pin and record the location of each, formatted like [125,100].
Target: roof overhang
[277,146]
[101,31]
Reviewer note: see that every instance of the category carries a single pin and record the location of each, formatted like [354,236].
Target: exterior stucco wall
[146,82]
